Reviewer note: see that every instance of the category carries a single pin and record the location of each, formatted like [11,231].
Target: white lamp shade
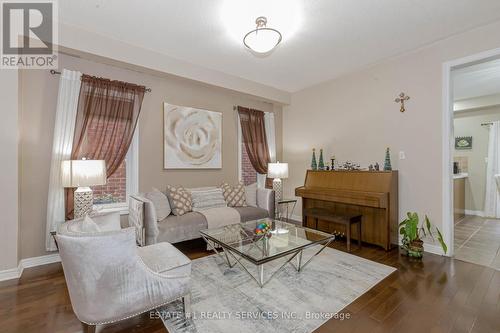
[277,170]
[262,40]
[83,173]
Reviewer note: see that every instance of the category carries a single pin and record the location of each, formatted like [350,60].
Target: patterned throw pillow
[234,195]
[180,200]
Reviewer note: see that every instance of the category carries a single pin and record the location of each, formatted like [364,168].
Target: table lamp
[277,171]
[82,174]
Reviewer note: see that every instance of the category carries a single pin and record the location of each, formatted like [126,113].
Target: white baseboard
[474,212]
[15,273]
[9,274]
[39,261]
[435,249]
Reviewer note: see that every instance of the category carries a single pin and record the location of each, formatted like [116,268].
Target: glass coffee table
[241,243]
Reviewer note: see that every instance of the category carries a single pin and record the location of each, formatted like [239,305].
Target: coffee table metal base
[260,279]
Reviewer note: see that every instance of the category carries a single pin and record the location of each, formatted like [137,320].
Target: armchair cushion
[97,222]
[107,221]
[86,225]
[164,258]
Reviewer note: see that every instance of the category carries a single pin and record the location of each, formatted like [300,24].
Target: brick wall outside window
[115,190]
[248,173]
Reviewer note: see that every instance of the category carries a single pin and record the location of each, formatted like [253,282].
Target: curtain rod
[54,72]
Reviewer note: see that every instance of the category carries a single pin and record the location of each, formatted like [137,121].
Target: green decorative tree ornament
[314,166]
[387,162]
[321,164]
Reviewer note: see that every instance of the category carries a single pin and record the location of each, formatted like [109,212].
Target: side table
[285,203]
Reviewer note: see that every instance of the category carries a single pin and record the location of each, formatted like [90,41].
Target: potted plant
[412,233]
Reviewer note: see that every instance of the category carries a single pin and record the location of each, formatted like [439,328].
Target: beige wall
[469,124]
[9,170]
[39,91]
[355,117]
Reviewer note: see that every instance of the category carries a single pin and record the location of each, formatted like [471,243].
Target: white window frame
[132,178]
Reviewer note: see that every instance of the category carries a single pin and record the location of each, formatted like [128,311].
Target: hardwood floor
[437,294]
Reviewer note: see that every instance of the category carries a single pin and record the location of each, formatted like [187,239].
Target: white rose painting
[192,138]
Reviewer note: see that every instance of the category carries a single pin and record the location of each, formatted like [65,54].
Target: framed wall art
[192,138]
[463,142]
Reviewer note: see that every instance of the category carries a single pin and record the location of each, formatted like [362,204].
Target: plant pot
[416,248]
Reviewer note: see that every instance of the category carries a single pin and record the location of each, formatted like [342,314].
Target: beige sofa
[174,229]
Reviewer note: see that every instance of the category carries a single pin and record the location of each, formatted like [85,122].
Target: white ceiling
[477,80]
[322,39]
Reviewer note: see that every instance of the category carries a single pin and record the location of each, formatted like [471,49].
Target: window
[121,184]
[248,173]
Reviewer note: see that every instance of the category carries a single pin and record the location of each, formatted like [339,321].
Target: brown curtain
[254,137]
[105,123]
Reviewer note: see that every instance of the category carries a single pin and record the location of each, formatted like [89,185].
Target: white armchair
[110,279]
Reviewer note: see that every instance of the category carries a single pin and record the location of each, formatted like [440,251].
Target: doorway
[471,150]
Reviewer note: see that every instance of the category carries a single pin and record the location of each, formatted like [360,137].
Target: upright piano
[373,194]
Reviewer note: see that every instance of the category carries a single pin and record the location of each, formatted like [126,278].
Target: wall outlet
[402,155]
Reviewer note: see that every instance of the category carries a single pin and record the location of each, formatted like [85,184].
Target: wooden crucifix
[401,99]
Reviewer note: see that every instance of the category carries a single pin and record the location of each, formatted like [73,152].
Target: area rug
[227,300]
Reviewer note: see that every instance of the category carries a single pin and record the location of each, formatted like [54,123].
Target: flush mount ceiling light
[263,39]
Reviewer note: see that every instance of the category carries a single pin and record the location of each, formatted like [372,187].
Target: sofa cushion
[180,200]
[87,225]
[234,195]
[251,194]
[160,203]
[204,199]
[107,221]
[250,213]
[165,259]
[175,229]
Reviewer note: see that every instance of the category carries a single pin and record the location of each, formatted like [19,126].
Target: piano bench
[327,215]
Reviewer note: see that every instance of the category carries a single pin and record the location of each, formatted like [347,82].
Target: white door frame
[448,138]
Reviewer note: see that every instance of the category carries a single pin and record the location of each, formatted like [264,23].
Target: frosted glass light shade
[262,40]
[277,170]
[83,173]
